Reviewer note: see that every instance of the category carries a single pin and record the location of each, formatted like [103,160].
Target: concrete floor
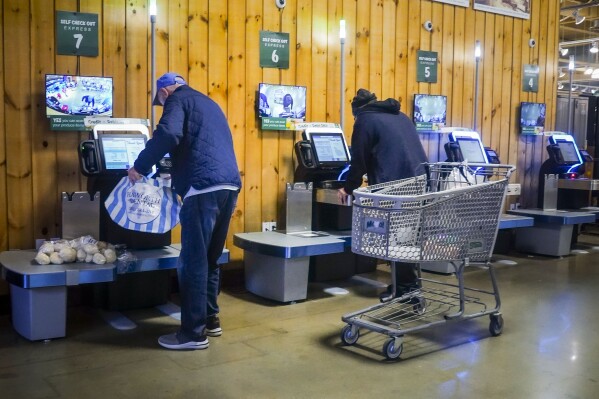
[548,349]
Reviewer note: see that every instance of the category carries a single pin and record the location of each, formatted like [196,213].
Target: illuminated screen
[430,111]
[119,152]
[329,148]
[78,95]
[568,151]
[471,150]
[532,118]
[282,101]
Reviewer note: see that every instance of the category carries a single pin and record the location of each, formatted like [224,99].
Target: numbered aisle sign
[530,78]
[76,33]
[426,67]
[274,50]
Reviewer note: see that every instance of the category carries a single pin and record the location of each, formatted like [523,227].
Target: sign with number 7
[76,33]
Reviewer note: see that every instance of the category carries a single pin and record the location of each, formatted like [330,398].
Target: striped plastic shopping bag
[148,205]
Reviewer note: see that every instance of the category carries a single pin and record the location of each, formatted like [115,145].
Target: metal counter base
[39,292]
[277,264]
[552,232]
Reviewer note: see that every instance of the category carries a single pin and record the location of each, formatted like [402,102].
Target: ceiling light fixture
[563,51]
[560,85]
[571,64]
[578,19]
[588,70]
[561,72]
[594,48]
[574,87]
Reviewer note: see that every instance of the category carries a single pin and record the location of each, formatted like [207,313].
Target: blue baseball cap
[168,79]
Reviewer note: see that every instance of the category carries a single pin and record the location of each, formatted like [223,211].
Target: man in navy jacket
[385,146]
[194,130]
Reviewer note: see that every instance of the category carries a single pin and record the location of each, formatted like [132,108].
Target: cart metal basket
[449,214]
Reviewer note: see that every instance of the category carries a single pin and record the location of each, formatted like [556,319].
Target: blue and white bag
[148,205]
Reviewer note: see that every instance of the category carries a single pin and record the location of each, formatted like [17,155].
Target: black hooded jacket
[384,145]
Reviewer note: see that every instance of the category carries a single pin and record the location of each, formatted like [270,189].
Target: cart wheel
[390,351]
[496,325]
[419,305]
[350,334]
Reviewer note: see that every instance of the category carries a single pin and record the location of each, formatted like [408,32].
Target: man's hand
[133,175]
[342,195]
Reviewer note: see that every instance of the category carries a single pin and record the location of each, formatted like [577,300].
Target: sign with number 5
[76,33]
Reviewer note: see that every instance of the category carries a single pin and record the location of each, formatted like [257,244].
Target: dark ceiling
[578,31]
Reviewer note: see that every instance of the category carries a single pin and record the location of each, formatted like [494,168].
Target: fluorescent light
[571,63]
[477,51]
[342,29]
[578,19]
[152,8]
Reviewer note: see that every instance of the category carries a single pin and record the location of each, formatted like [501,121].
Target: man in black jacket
[194,130]
[385,146]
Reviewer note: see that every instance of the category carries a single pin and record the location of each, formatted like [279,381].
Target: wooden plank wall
[214,44]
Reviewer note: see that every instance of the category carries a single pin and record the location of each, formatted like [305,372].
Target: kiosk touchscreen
[118,152]
[322,155]
[465,146]
[564,150]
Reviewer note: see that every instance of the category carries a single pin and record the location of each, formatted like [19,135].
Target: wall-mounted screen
[78,95]
[279,103]
[532,118]
[430,112]
[119,151]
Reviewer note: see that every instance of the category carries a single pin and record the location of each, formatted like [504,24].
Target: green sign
[76,33]
[274,50]
[67,123]
[426,66]
[530,78]
[532,130]
[280,123]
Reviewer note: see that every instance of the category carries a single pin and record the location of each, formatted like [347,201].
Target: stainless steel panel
[299,207]
[550,192]
[80,215]
[329,196]
[579,184]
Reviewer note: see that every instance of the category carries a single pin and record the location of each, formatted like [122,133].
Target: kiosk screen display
[78,95]
[430,112]
[119,152]
[329,149]
[471,150]
[568,150]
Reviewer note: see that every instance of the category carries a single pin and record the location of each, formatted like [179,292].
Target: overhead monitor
[471,147]
[430,112]
[118,152]
[329,145]
[78,95]
[532,118]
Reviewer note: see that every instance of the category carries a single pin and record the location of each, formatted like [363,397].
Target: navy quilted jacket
[384,145]
[194,130]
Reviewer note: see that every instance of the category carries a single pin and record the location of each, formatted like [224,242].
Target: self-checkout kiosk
[562,184]
[316,242]
[563,200]
[105,159]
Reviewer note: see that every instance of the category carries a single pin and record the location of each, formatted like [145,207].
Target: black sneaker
[213,326]
[175,341]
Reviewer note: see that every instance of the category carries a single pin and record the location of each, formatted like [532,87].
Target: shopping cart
[450,214]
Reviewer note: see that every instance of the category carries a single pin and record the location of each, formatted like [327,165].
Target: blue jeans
[204,224]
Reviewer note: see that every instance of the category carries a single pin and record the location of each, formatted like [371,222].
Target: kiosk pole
[342,83]
[477,53]
[571,70]
[153,60]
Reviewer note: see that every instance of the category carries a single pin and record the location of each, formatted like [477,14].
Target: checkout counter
[563,200]
[316,243]
[39,292]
